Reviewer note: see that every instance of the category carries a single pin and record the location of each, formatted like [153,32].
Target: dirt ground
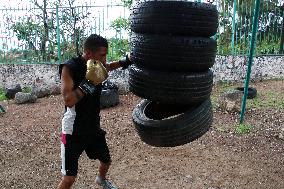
[221,159]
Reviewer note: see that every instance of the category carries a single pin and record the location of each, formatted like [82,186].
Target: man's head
[95,47]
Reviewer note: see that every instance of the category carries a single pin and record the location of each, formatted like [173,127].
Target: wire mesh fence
[46,33]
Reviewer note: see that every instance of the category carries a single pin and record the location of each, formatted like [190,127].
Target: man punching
[81,121]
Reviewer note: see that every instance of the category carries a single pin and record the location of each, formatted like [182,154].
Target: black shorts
[72,147]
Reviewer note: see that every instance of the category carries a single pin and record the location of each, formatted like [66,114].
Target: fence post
[234,27]
[252,45]
[58,34]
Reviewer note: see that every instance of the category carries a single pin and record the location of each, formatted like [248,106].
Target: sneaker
[104,183]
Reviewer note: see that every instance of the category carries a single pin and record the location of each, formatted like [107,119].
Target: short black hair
[94,41]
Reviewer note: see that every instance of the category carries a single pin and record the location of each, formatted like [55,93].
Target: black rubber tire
[190,124]
[109,98]
[252,92]
[174,17]
[173,53]
[109,95]
[170,87]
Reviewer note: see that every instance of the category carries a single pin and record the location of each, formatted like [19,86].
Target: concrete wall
[226,68]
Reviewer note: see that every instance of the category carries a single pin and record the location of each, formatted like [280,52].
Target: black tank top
[87,120]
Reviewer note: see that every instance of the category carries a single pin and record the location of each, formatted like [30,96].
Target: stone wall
[28,75]
[226,68]
[34,75]
[233,68]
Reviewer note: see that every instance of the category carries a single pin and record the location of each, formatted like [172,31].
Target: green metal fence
[48,33]
[235,26]
[34,34]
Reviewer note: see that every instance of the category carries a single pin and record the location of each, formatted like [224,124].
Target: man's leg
[66,182]
[98,149]
[71,149]
[103,169]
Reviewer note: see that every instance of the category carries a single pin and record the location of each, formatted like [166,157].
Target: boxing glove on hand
[96,72]
[87,87]
[125,62]
[95,75]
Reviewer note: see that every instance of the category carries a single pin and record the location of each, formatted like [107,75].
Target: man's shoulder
[68,63]
[71,62]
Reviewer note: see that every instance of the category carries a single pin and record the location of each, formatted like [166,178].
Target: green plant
[2,95]
[117,48]
[243,128]
[120,24]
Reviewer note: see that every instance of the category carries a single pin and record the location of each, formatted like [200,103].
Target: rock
[55,90]
[189,179]
[230,101]
[41,91]
[21,98]
[10,92]
[281,134]
[2,109]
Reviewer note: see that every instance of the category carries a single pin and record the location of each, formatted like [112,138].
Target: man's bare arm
[70,96]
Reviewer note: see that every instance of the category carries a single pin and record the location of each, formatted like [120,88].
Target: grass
[224,87]
[267,100]
[264,99]
[243,129]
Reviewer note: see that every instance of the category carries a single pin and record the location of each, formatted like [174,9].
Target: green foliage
[120,24]
[127,3]
[267,47]
[269,28]
[243,129]
[117,48]
[2,95]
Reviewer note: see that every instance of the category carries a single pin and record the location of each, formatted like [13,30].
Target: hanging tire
[170,87]
[173,53]
[252,92]
[174,17]
[168,126]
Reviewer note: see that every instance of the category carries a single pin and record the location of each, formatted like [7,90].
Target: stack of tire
[172,53]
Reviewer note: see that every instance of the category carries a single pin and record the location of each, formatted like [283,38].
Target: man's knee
[105,164]
[68,180]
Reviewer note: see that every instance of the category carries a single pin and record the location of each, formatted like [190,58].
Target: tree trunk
[282,37]
[46,32]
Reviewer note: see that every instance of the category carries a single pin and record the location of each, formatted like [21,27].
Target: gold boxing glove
[96,72]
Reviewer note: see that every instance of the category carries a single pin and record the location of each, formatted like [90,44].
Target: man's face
[100,54]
